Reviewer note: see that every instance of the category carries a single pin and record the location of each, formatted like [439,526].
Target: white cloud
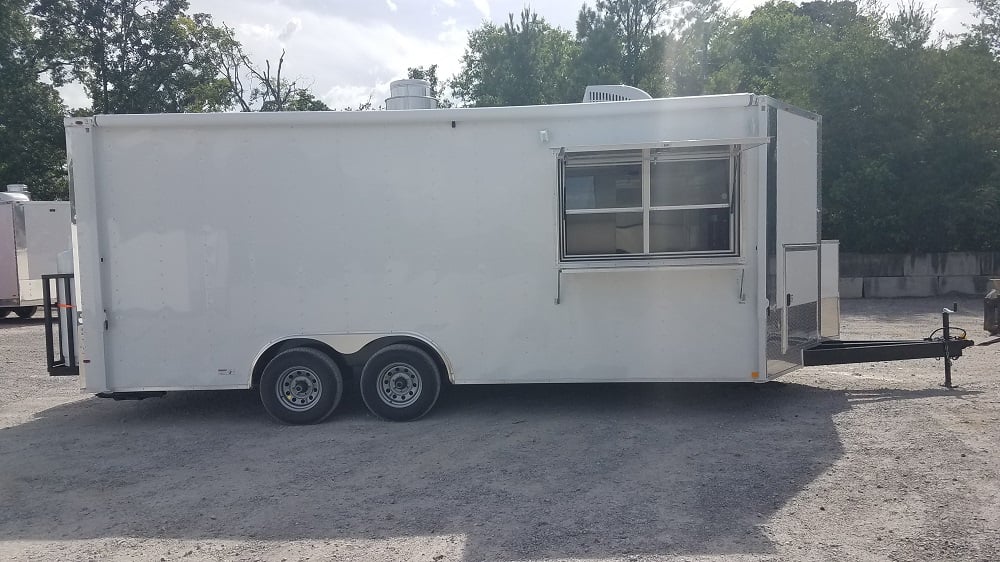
[290,28]
[74,96]
[367,54]
[340,97]
[483,6]
[449,3]
[256,32]
[392,5]
[451,33]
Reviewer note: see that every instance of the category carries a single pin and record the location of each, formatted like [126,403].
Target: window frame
[649,154]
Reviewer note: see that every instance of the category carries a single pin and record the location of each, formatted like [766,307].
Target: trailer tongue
[842,352]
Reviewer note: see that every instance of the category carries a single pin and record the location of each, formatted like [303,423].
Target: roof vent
[410,94]
[613,92]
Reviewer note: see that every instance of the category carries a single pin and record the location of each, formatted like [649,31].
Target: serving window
[657,202]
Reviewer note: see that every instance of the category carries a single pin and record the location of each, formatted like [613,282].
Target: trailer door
[793,236]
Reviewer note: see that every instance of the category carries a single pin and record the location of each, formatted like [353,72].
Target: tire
[4,312]
[400,382]
[25,312]
[301,386]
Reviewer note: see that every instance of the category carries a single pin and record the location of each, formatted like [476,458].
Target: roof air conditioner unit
[613,92]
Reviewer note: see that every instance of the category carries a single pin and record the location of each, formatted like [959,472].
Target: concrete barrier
[917,275]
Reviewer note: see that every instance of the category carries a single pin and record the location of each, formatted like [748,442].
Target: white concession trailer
[32,234]
[636,240]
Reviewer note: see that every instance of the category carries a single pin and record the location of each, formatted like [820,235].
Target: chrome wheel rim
[299,389]
[399,385]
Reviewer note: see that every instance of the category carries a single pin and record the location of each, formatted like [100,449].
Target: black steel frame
[61,365]
[841,352]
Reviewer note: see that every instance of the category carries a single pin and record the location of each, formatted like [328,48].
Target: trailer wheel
[4,312]
[301,386]
[400,382]
[25,312]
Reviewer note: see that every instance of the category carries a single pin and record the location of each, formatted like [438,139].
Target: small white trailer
[32,233]
[637,240]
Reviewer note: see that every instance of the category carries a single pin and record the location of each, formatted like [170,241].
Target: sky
[349,50]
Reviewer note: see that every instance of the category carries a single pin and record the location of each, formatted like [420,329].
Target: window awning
[745,143]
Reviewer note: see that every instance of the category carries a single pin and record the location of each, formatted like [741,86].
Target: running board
[131,395]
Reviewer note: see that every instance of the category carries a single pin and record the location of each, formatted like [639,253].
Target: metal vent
[613,92]
[410,94]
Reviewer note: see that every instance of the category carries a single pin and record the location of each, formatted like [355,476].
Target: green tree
[692,55]
[151,56]
[247,86]
[621,41]
[987,29]
[910,137]
[132,56]
[525,62]
[429,73]
[32,142]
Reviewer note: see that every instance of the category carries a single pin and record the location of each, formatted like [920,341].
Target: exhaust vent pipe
[410,94]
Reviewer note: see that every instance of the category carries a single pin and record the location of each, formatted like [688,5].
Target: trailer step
[60,328]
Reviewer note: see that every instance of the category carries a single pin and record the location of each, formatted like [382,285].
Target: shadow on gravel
[15,322]
[519,471]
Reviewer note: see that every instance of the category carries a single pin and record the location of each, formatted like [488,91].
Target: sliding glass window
[649,203]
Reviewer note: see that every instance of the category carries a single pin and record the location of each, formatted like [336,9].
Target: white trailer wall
[46,233]
[32,233]
[222,233]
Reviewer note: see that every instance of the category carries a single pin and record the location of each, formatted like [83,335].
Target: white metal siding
[218,239]
[46,234]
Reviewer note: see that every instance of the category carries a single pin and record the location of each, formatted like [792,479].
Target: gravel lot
[862,462]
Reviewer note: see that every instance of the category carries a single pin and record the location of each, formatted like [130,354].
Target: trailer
[632,240]
[32,233]
[991,312]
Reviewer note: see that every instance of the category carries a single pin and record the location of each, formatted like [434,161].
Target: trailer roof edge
[467,114]
[772,102]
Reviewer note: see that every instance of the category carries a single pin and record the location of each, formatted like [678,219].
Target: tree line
[911,120]
[130,56]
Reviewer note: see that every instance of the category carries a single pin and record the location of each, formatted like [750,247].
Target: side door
[800,314]
[793,236]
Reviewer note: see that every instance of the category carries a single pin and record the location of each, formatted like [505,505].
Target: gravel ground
[860,462]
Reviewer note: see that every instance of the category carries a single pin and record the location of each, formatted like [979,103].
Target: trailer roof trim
[319,118]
